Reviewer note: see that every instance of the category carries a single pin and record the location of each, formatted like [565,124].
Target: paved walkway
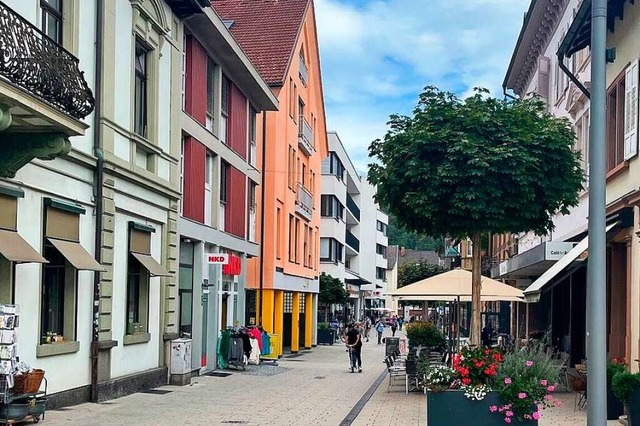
[314,388]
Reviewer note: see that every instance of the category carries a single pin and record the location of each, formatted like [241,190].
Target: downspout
[572,77]
[263,170]
[506,95]
[98,193]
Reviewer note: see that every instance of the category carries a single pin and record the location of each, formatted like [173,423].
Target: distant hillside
[411,240]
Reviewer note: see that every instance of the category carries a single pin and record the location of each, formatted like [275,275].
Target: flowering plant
[438,377]
[525,381]
[477,366]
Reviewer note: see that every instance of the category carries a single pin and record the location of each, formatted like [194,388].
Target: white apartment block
[353,232]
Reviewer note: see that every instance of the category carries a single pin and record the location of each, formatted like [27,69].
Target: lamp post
[596,272]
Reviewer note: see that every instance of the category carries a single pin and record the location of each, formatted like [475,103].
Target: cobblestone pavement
[314,388]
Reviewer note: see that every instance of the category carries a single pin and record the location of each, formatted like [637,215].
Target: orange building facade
[280,39]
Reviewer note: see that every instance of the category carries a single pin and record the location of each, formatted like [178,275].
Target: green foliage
[401,237]
[624,384]
[613,369]
[332,290]
[424,334]
[476,166]
[413,272]
[323,326]
[544,367]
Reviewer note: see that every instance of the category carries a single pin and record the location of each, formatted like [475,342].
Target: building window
[292,258]
[140,96]
[291,98]
[330,206]
[291,167]
[61,247]
[331,250]
[582,142]
[252,210]
[305,246]
[52,19]
[303,174]
[211,70]
[332,165]
[224,189]
[301,109]
[141,266]
[381,274]
[278,233]
[184,72]
[296,241]
[615,123]
[469,248]
[226,93]
[382,227]
[208,186]
[185,289]
[310,243]
[181,201]
[253,136]
[312,181]
[381,250]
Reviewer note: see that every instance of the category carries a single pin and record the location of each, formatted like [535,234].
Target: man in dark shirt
[354,341]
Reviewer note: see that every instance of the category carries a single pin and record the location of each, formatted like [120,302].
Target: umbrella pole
[458,325]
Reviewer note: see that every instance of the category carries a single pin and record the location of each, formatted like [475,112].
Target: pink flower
[493,408]
[507,381]
[543,382]
[548,397]
[551,388]
[507,419]
[509,414]
[529,363]
[536,415]
[522,395]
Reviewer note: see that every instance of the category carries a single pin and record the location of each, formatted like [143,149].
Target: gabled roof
[267,30]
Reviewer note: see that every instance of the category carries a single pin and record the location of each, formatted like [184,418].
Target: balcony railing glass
[352,241]
[353,207]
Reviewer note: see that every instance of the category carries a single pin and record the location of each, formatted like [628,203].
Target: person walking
[400,322]
[394,326]
[367,328]
[354,343]
[380,330]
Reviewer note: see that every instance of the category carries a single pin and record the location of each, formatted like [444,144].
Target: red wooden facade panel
[237,136]
[196,81]
[194,164]
[235,213]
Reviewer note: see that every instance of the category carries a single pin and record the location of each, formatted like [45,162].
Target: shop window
[185,289]
[66,257]
[140,268]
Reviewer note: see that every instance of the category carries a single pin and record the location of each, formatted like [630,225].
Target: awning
[76,255]
[457,283]
[150,264]
[579,33]
[532,293]
[16,249]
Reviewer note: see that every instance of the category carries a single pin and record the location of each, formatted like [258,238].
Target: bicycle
[353,359]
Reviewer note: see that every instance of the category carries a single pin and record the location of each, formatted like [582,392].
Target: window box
[135,339]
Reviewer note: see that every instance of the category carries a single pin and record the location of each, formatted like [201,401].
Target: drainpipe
[263,169]
[97,190]
[571,76]
[506,95]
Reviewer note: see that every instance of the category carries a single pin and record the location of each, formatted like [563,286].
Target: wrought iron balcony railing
[31,60]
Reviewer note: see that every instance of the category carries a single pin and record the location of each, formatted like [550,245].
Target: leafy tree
[401,237]
[466,168]
[332,291]
[413,272]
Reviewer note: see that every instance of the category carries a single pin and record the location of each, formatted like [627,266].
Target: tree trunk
[476,286]
[326,313]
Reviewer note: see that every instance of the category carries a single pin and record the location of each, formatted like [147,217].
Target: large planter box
[634,408]
[452,408]
[615,407]
[326,336]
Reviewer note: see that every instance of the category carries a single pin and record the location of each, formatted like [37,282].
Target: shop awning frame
[15,249]
[533,292]
[151,265]
[76,255]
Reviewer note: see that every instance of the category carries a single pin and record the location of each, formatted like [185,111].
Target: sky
[378,55]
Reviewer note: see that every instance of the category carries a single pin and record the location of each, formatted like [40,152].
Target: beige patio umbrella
[448,286]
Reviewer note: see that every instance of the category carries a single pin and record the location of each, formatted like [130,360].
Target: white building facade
[353,240]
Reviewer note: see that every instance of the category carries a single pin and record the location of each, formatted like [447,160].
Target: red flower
[478,364]
[486,351]
[497,357]
[466,381]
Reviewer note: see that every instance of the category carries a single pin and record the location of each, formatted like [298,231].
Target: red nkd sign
[217,258]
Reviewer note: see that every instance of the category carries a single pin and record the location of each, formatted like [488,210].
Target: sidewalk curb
[355,411]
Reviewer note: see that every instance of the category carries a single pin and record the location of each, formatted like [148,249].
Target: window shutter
[631,111]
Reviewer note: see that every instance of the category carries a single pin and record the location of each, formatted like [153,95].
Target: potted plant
[491,388]
[326,335]
[615,407]
[425,334]
[626,386]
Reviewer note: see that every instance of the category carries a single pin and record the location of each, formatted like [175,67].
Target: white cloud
[378,55]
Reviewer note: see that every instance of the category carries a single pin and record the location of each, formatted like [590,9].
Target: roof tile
[266,30]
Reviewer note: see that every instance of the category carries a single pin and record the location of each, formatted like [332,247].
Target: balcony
[352,241]
[37,64]
[304,202]
[304,71]
[305,137]
[353,207]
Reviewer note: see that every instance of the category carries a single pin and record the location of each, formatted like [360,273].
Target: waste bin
[180,362]
[392,345]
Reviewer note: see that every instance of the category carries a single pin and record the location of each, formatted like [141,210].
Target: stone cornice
[539,27]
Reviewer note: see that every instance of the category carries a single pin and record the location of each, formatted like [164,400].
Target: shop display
[20,395]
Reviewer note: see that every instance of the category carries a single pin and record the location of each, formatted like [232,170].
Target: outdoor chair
[565,359]
[577,384]
[411,374]
[395,373]
[435,358]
